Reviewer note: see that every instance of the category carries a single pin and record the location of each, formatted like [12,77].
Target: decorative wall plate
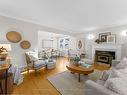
[25,44]
[13,36]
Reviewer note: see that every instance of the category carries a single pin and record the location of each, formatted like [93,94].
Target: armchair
[33,61]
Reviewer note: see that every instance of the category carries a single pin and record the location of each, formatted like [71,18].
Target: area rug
[67,83]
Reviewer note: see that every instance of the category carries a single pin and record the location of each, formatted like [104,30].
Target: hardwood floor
[39,85]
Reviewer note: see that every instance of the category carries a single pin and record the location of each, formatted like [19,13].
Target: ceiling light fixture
[124,33]
[91,36]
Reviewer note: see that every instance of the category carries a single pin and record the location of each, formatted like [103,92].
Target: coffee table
[79,69]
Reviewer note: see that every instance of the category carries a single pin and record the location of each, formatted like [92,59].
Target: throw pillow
[123,71]
[115,73]
[50,60]
[33,56]
[122,64]
[105,75]
[118,85]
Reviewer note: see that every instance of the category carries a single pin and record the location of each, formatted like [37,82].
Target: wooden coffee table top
[79,69]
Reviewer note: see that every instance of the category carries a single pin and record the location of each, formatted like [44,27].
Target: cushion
[118,85]
[32,55]
[33,58]
[39,63]
[105,75]
[100,82]
[50,60]
[122,64]
[123,71]
[115,74]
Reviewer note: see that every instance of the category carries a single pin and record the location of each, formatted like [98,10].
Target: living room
[63,47]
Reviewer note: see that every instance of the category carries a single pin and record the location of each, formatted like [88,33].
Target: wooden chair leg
[28,70]
[1,88]
[35,72]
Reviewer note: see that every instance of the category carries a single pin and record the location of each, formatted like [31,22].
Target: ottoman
[51,63]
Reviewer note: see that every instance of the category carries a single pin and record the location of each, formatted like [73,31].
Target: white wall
[28,31]
[120,40]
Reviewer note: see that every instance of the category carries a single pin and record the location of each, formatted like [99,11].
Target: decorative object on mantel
[79,44]
[103,36]
[25,44]
[111,39]
[13,36]
[97,41]
[4,48]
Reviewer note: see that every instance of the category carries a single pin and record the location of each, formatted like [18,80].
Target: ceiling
[74,16]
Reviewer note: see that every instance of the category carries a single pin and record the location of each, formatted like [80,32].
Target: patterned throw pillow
[105,75]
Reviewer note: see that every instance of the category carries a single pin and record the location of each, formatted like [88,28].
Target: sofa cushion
[122,64]
[118,85]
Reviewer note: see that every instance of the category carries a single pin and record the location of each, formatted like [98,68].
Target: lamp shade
[6,46]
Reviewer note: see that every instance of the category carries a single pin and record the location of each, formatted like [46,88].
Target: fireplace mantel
[107,47]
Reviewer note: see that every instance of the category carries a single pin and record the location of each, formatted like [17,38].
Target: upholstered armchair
[33,62]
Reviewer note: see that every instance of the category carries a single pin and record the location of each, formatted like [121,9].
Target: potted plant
[76,60]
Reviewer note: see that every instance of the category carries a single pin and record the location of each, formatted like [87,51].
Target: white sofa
[94,88]
[98,87]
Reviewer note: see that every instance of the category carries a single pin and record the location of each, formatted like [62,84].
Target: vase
[3,57]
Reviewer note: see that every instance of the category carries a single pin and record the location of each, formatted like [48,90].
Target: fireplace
[104,56]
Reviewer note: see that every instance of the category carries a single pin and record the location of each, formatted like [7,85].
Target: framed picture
[111,39]
[103,36]
[64,43]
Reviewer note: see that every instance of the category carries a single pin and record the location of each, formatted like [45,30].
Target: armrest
[93,88]
[115,62]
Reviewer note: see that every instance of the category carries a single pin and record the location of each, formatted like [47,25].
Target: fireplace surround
[107,47]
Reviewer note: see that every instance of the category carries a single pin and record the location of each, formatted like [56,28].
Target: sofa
[110,83]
